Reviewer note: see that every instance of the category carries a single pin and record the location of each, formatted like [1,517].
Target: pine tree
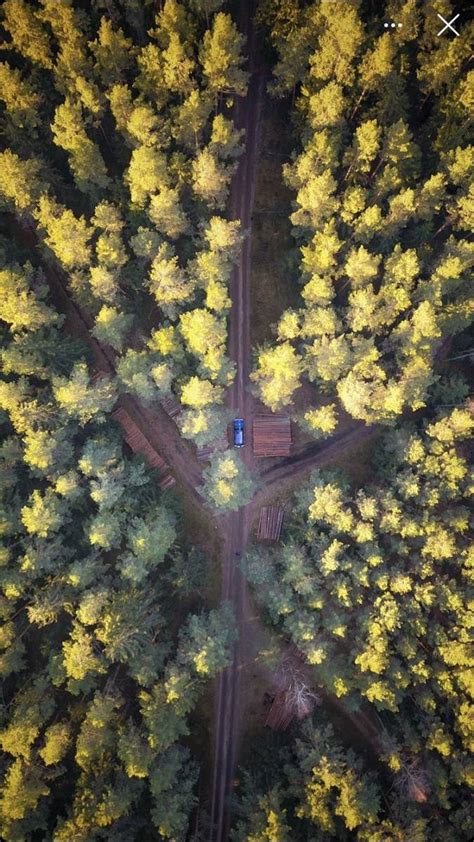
[67,236]
[86,161]
[22,304]
[147,174]
[44,515]
[278,375]
[20,97]
[148,543]
[20,184]
[200,393]
[211,179]
[221,57]
[113,53]
[28,35]
[168,282]
[81,399]
[166,213]
[227,483]
[111,326]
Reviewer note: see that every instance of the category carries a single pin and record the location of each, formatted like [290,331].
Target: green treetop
[227,483]
[82,399]
[20,184]
[22,304]
[85,160]
[28,35]
[67,236]
[113,53]
[221,57]
[20,97]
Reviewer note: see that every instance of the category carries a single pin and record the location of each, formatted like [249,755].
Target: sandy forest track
[228,706]
[315,456]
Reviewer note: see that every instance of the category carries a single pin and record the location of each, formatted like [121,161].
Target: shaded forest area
[372,587]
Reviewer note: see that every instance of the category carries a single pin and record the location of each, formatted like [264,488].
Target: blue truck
[239,432]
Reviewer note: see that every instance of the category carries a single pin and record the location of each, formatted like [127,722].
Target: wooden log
[271,435]
[171,406]
[270,524]
[137,440]
[168,481]
[280,714]
[203,453]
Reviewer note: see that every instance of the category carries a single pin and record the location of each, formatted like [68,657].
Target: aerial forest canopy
[118,149]
[121,227]
[372,588]
[383,205]
[369,592]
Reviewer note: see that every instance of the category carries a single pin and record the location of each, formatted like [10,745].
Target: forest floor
[274,286]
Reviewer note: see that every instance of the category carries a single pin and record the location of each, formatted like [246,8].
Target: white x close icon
[448,24]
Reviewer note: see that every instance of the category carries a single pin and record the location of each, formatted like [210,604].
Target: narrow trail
[228,704]
[314,456]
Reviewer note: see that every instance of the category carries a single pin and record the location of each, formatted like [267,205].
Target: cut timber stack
[271,435]
[171,406]
[139,444]
[270,523]
[205,453]
[280,714]
[167,482]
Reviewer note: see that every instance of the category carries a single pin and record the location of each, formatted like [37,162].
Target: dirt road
[315,456]
[234,588]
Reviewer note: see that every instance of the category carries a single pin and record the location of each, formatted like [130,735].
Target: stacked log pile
[271,435]
[171,406]
[269,524]
[140,444]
